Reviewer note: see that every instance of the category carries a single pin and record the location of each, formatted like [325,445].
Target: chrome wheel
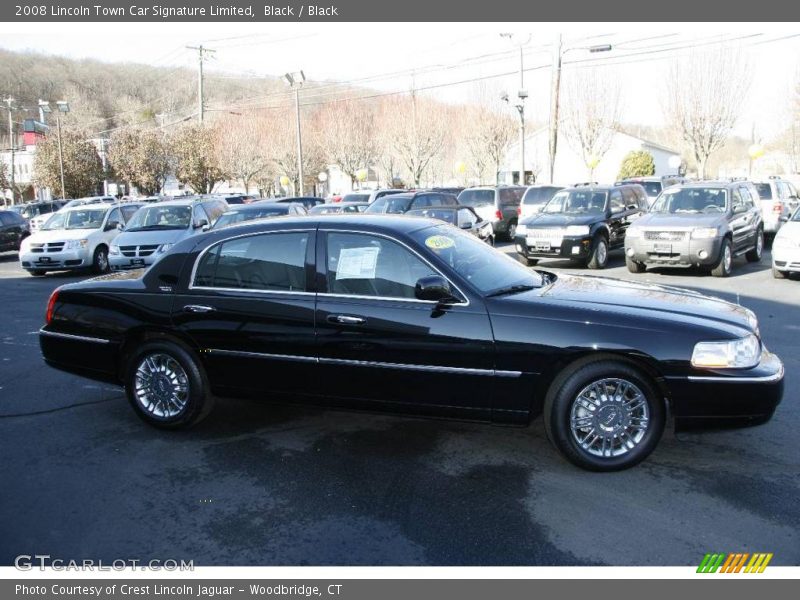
[512,230]
[161,386]
[727,258]
[759,244]
[609,417]
[602,252]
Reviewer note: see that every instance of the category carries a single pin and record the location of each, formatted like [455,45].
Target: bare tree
[704,95]
[591,113]
[417,130]
[490,136]
[347,135]
[245,145]
[284,154]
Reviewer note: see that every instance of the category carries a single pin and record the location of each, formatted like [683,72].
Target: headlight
[577,230]
[735,354]
[164,247]
[76,244]
[633,232]
[704,233]
[523,229]
[114,250]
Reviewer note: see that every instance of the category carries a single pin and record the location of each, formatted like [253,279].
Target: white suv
[75,238]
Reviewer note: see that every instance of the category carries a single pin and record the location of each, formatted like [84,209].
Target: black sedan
[259,210]
[13,229]
[412,315]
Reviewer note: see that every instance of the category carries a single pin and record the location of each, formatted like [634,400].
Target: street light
[63,107]
[522,94]
[555,90]
[295,81]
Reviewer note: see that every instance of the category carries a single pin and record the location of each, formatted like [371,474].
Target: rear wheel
[634,266]
[511,232]
[599,256]
[604,416]
[754,255]
[167,386]
[725,260]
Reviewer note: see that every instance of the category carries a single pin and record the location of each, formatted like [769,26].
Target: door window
[128,212]
[367,265]
[616,202]
[738,202]
[267,262]
[114,216]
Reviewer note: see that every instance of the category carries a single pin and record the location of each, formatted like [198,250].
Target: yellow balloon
[461,167]
[361,174]
[284,180]
[756,151]
[593,161]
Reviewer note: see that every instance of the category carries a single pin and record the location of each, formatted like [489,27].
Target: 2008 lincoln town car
[411,314]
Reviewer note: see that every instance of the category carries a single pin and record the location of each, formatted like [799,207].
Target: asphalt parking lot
[261,484]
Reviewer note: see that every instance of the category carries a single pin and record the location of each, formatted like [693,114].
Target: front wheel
[37,272]
[531,262]
[778,274]
[604,416]
[754,255]
[599,256]
[633,266]
[167,387]
[100,260]
[725,260]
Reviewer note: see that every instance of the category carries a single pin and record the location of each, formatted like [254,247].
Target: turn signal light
[498,214]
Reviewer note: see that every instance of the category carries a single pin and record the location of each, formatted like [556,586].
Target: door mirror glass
[112,225]
[200,224]
[433,288]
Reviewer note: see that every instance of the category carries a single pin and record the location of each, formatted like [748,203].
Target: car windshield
[390,204]
[448,216]
[764,191]
[238,216]
[577,202]
[691,200]
[490,271]
[476,198]
[160,217]
[355,198]
[88,218]
[536,196]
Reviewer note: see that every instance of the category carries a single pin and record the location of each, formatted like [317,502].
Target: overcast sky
[393,57]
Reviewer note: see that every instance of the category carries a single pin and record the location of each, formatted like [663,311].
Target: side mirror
[206,227]
[433,288]
[200,224]
[120,227]
[112,225]
[633,207]
[467,225]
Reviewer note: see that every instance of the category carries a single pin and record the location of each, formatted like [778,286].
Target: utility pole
[555,89]
[11,108]
[60,155]
[201,57]
[522,94]
[295,81]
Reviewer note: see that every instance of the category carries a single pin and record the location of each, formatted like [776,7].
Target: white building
[23,174]
[570,166]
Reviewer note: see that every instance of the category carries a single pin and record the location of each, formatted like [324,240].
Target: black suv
[13,229]
[582,223]
[497,204]
[396,204]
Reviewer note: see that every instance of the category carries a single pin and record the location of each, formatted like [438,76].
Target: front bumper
[120,262]
[55,261]
[686,252]
[786,259]
[576,247]
[729,394]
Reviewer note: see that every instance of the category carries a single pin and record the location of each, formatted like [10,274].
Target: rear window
[390,205]
[475,198]
[764,191]
[539,195]
[355,198]
[511,197]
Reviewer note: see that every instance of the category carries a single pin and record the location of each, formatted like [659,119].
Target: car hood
[621,296]
[60,235]
[790,230]
[560,220]
[683,220]
[147,238]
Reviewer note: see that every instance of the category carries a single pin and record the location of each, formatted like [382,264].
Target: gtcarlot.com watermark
[29,562]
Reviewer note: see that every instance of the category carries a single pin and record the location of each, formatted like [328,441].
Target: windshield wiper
[157,226]
[512,289]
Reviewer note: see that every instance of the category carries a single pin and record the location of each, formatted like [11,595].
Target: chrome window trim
[368,363]
[191,285]
[69,336]
[391,298]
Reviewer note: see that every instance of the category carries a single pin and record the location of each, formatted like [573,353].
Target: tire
[724,261]
[178,396]
[37,273]
[633,266]
[598,259]
[594,446]
[511,232]
[531,262]
[100,260]
[754,255]
[777,274]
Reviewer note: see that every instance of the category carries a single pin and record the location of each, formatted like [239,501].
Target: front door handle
[346,319]
[198,308]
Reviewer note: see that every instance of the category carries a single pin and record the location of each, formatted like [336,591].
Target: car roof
[710,183]
[90,206]
[260,205]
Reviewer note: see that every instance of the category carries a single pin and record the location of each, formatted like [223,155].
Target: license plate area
[43,259]
[662,248]
[137,261]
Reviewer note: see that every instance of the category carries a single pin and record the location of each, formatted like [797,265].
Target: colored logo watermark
[735,562]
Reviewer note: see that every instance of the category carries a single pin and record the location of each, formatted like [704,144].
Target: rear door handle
[346,319]
[198,308]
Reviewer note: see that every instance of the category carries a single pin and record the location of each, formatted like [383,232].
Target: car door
[617,215]
[7,237]
[249,307]
[741,219]
[109,230]
[378,343]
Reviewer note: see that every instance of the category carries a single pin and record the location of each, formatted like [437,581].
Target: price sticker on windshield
[440,242]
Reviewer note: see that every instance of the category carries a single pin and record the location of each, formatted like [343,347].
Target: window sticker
[439,242]
[357,263]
